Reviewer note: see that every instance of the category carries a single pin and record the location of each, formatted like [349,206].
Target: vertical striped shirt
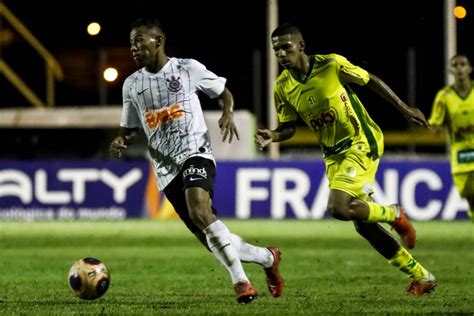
[166,106]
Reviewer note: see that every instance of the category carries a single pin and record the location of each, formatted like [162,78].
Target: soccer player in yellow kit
[316,88]
[453,108]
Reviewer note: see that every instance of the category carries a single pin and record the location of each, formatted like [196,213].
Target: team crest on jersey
[351,172]
[174,84]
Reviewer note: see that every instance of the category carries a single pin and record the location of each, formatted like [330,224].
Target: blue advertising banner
[299,189]
[115,190]
[65,190]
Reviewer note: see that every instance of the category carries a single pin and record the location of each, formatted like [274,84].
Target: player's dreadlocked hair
[285,29]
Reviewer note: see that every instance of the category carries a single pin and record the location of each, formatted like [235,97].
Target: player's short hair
[150,23]
[461,55]
[286,29]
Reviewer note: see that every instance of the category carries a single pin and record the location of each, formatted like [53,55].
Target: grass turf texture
[160,268]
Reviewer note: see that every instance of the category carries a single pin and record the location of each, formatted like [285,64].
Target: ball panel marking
[75,282]
[89,278]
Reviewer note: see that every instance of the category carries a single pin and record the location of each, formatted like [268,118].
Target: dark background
[229,38]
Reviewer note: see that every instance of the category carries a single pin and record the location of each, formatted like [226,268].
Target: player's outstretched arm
[411,114]
[284,131]
[226,122]
[121,142]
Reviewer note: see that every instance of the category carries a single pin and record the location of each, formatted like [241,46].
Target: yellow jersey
[457,114]
[329,106]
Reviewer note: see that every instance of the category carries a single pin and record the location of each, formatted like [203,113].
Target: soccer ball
[89,278]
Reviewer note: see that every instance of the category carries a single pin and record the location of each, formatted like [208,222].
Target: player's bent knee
[339,212]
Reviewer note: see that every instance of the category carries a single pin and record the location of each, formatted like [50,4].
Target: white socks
[219,241]
[251,253]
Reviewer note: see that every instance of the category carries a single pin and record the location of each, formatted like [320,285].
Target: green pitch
[159,268]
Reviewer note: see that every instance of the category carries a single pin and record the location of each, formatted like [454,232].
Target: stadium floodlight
[460,12]
[93,28]
[110,74]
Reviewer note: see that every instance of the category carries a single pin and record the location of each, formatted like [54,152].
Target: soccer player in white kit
[161,98]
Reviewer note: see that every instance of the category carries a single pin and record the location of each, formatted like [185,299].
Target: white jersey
[166,106]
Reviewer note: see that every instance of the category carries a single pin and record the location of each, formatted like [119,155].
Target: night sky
[229,38]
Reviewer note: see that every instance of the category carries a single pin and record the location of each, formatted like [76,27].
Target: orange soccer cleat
[421,287]
[404,228]
[245,292]
[274,279]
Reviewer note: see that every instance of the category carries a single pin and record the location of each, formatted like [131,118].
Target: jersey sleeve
[349,73]
[130,118]
[285,112]
[438,111]
[204,79]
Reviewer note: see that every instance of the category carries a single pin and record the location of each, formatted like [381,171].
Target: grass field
[159,268]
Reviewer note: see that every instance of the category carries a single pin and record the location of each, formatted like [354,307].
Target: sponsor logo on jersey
[323,119]
[466,129]
[195,173]
[161,116]
[350,110]
[464,133]
[466,156]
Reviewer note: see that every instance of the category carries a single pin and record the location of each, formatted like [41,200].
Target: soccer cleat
[245,292]
[421,287]
[275,281]
[404,228]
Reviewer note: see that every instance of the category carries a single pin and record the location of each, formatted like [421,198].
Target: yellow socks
[381,213]
[406,263]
